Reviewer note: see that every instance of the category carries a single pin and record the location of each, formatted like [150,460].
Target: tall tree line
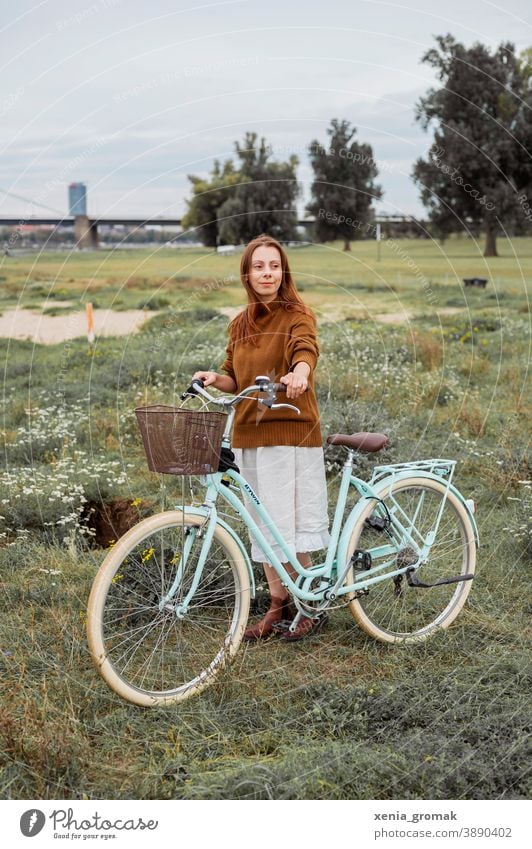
[477,175]
[479,167]
[259,194]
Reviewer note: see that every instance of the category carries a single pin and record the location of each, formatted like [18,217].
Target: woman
[278,451]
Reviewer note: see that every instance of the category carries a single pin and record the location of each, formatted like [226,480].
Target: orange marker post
[90,324]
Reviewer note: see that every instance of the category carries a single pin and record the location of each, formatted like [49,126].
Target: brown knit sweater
[285,339]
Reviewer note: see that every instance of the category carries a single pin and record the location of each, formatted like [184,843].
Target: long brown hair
[244,327]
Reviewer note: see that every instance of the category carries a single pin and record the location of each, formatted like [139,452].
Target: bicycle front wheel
[393,611]
[146,651]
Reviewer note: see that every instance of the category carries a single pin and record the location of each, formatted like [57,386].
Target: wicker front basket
[181,442]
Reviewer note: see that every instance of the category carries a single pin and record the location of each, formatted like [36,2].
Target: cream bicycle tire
[451,596]
[126,579]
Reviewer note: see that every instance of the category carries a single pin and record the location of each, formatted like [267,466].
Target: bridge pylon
[85,232]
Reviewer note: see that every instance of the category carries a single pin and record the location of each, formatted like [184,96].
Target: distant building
[77,198]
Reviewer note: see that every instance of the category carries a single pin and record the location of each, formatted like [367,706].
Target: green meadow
[405,350]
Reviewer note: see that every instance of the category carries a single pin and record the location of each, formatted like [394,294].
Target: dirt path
[405,315]
[400,317]
[230,312]
[52,329]
[394,317]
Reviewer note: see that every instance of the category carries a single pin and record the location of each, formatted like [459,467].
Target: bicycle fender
[470,513]
[204,511]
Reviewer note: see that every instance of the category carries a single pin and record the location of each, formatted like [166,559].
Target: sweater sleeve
[227,365]
[302,345]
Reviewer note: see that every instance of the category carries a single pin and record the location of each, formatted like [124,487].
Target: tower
[77,199]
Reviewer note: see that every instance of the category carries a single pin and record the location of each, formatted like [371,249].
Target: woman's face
[265,273]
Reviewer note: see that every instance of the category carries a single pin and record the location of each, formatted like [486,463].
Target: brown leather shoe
[304,628]
[280,608]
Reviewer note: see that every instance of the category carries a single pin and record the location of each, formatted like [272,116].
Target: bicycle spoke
[392,607]
[155,650]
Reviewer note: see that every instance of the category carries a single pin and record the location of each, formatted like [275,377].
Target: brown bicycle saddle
[369,442]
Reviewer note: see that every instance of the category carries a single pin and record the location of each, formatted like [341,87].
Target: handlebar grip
[191,389]
[281,387]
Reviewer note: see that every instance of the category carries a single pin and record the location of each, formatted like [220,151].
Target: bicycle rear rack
[442,468]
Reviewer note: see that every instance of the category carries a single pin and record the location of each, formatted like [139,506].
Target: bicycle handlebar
[262,384]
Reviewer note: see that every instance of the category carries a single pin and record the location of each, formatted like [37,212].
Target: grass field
[404,350]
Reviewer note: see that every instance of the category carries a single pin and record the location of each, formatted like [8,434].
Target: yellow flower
[136,502]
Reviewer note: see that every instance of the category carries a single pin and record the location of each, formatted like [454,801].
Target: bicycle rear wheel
[150,656]
[393,611]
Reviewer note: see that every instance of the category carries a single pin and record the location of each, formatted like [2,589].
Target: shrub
[427,349]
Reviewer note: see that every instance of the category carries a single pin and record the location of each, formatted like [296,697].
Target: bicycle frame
[155,645]
[400,528]
[334,569]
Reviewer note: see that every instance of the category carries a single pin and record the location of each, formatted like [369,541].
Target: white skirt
[290,482]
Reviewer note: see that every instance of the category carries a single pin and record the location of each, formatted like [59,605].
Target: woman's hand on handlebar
[296,382]
[208,377]
[218,381]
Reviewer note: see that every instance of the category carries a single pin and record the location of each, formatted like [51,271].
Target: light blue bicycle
[170,602]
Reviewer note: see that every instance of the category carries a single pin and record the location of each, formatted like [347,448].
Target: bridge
[86,228]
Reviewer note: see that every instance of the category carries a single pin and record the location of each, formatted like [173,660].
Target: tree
[207,197]
[343,188]
[264,199]
[479,162]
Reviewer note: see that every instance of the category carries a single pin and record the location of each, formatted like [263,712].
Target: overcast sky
[132,96]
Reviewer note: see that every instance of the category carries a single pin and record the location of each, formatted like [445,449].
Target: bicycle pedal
[378,523]
[361,560]
[282,625]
